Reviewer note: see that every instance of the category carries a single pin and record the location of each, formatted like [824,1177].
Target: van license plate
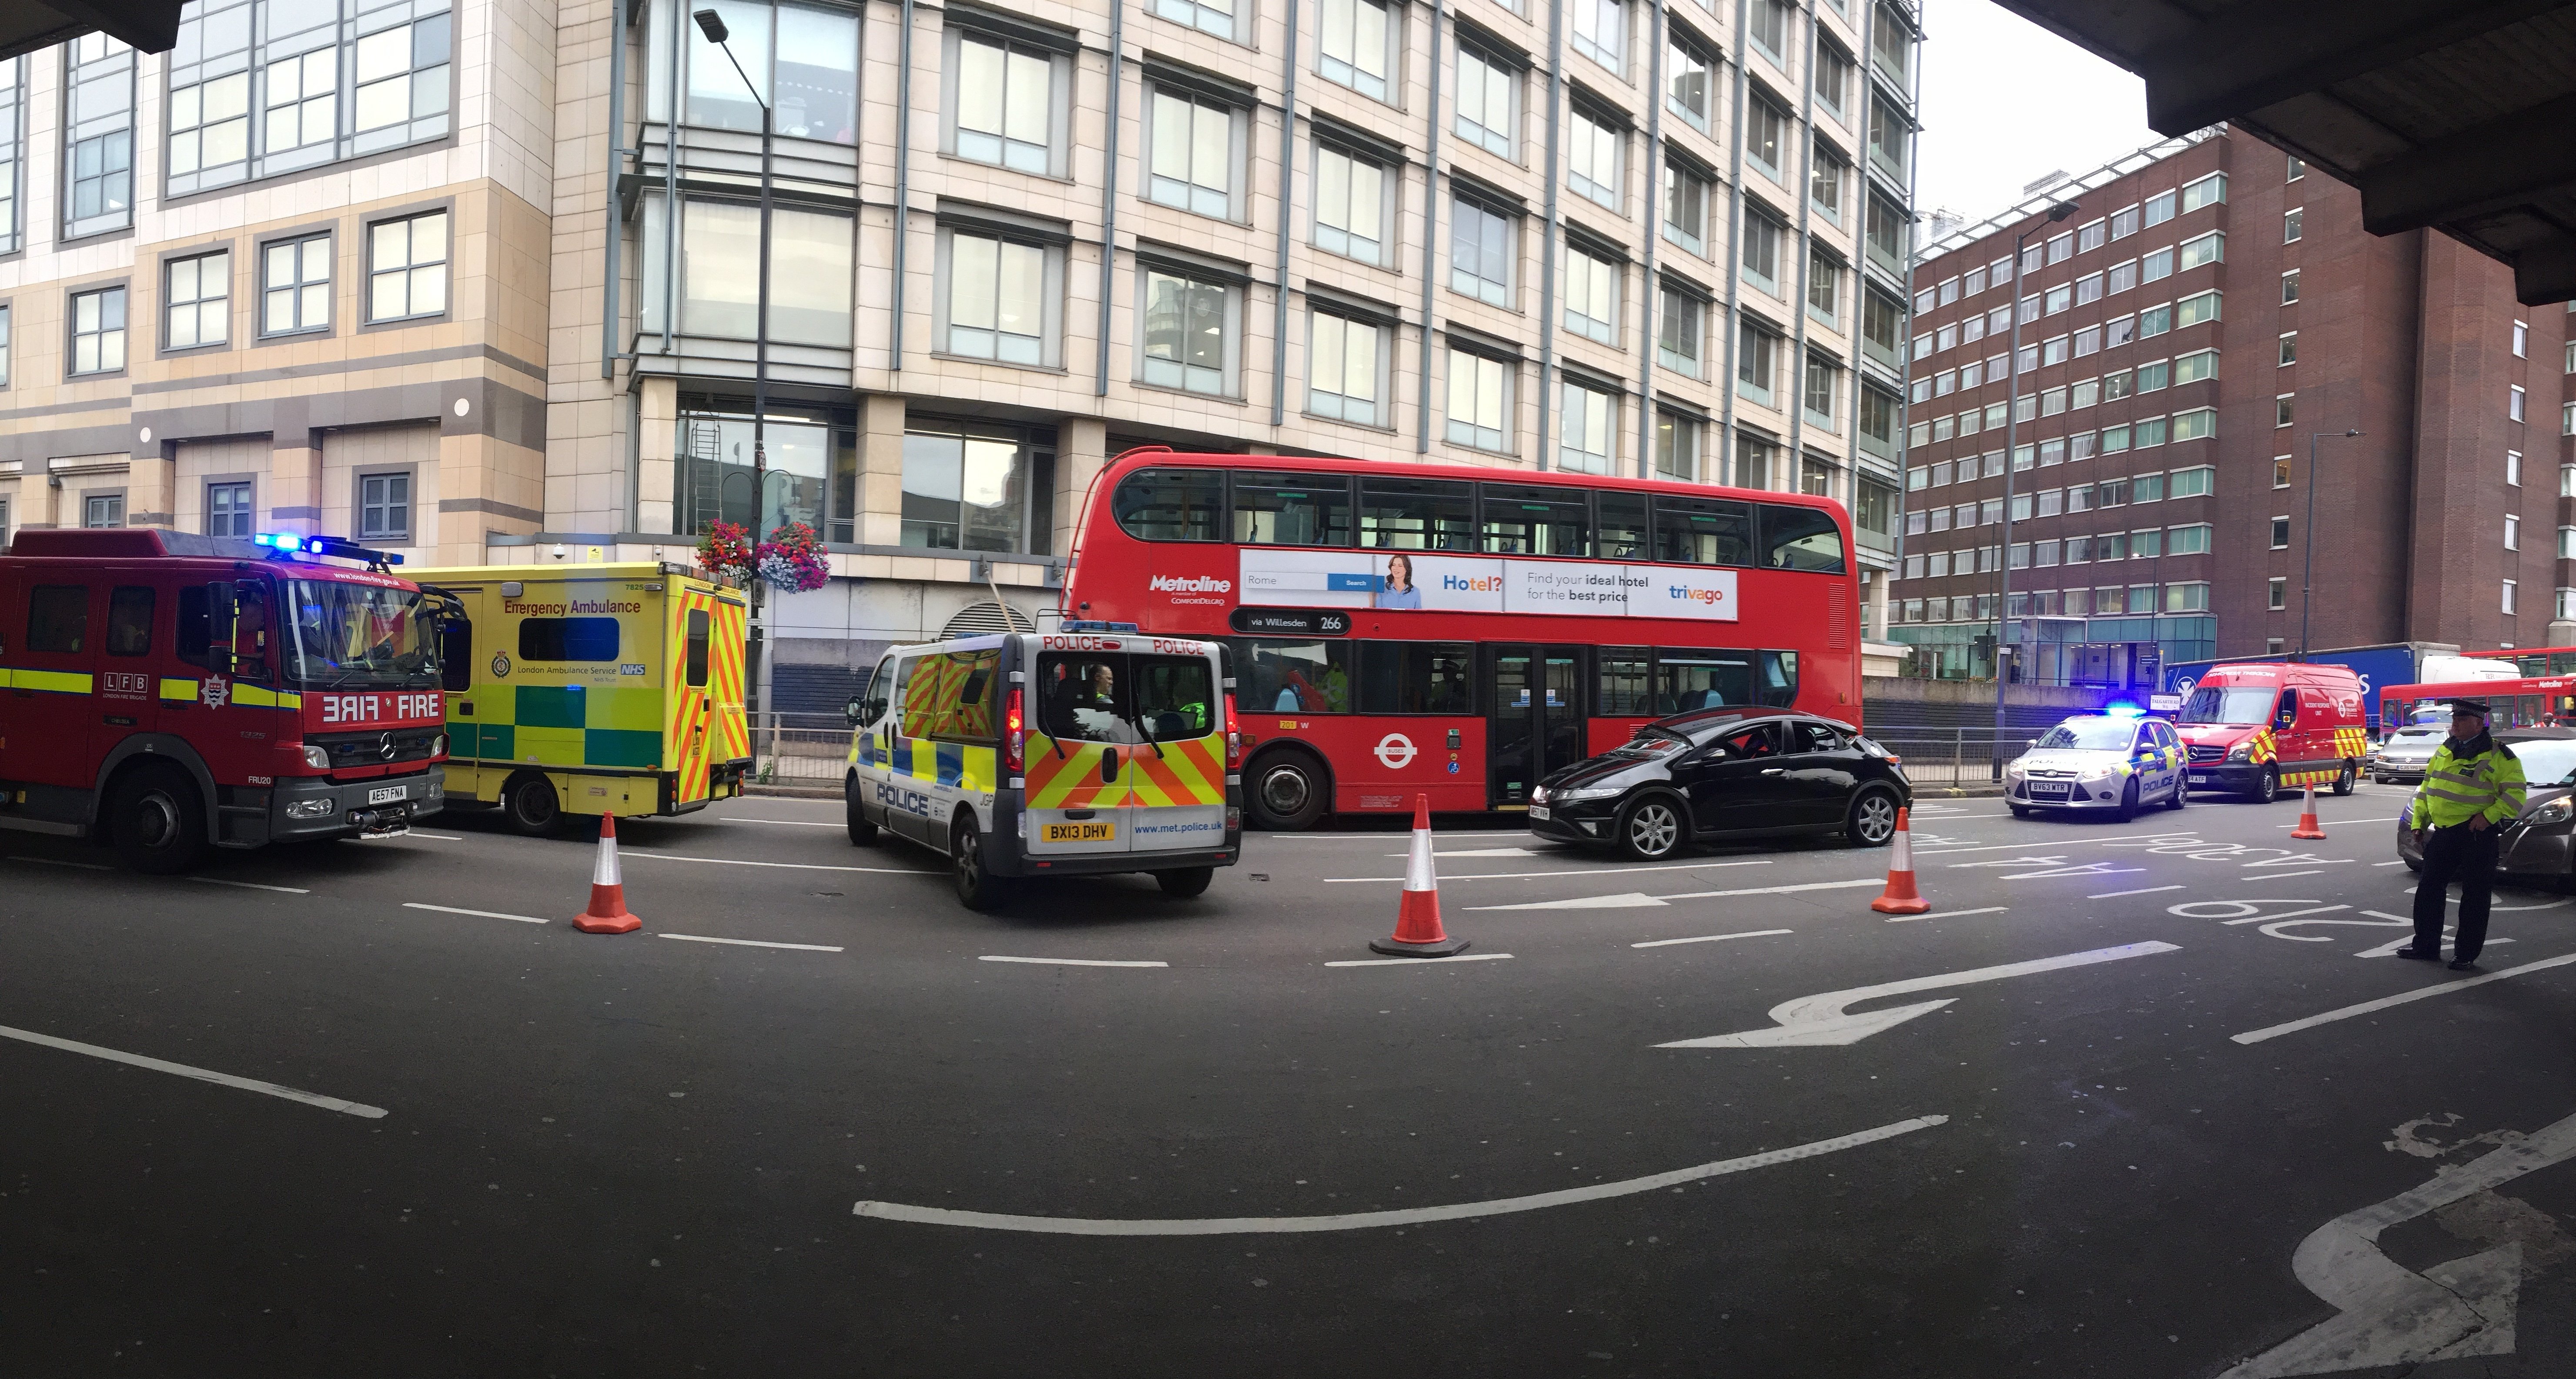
[1078,833]
[387,794]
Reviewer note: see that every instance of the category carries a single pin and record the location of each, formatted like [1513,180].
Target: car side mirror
[2030,742]
[856,711]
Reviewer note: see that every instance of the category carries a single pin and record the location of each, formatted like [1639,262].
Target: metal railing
[1954,756]
[799,748]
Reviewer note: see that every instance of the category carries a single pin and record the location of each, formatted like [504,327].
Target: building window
[4,365]
[810,272]
[1488,101]
[1215,16]
[402,75]
[2521,339]
[98,136]
[197,301]
[98,331]
[805,62]
[1825,183]
[1825,290]
[1878,408]
[1885,232]
[1591,295]
[2297,168]
[1197,145]
[1589,421]
[1816,477]
[2124,222]
[1592,158]
[13,134]
[2512,532]
[1757,362]
[2191,311]
[2208,191]
[2208,248]
[1005,103]
[2156,266]
[1766,131]
[2061,247]
[228,509]
[1345,369]
[1480,401]
[2188,540]
[1600,30]
[2193,367]
[384,507]
[976,490]
[2513,468]
[1834,70]
[1677,445]
[103,510]
[1686,196]
[2290,288]
[1480,252]
[1191,335]
[210,130]
[407,272]
[2280,471]
[1823,385]
[302,101]
[1679,325]
[1762,251]
[2280,533]
[2512,598]
[1350,205]
[1770,25]
[812,468]
[1891,140]
[295,293]
[2290,223]
[2160,208]
[1686,88]
[2513,403]
[1002,299]
[1357,45]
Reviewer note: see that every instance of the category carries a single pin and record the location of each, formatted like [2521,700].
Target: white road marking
[2063,842]
[757,943]
[1375,836]
[478,914]
[2151,890]
[2087,869]
[2388,1315]
[2398,863]
[2389,949]
[1072,962]
[1526,875]
[2389,820]
[433,837]
[1821,1019]
[58,862]
[1415,962]
[327,1103]
[1710,938]
[1639,900]
[791,823]
[790,866]
[1950,914]
[2401,998]
[249,885]
[2278,875]
[1483,852]
[1365,1220]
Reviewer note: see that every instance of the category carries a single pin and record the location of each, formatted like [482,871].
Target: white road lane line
[1950,914]
[756,943]
[2398,863]
[2177,836]
[1365,1220]
[1710,938]
[249,885]
[327,1103]
[1483,852]
[791,823]
[478,914]
[58,862]
[2278,876]
[789,866]
[434,837]
[2389,949]
[2385,1002]
[2113,895]
[1377,836]
[1526,875]
[1639,900]
[1072,962]
[1416,962]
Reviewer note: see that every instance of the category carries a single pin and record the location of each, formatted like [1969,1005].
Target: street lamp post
[2012,434]
[713,26]
[2308,570]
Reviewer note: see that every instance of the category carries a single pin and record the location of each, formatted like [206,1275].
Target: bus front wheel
[1289,792]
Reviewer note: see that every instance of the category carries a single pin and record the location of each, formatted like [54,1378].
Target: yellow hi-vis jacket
[2458,789]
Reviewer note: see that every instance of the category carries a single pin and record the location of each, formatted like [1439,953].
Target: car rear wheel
[2344,780]
[1871,820]
[2268,788]
[1288,792]
[157,821]
[1651,829]
[1185,882]
[862,833]
[529,806]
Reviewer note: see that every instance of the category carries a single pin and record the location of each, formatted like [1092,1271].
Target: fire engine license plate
[387,794]
[1079,833]
[1539,812]
[2199,778]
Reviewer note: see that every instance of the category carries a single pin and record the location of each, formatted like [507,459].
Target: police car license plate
[1539,812]
[387,794]
[2048,789]
[1078,833]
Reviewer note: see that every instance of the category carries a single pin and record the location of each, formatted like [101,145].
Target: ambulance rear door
[690,732]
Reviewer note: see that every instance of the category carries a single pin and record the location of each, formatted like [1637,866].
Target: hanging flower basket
[726,554]
[792,559]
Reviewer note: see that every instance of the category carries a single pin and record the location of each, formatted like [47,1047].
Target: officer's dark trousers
[2467,856]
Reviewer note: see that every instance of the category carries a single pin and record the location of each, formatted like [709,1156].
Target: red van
[2253,729]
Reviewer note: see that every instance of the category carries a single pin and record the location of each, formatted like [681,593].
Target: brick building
[401,269]
[2207,310]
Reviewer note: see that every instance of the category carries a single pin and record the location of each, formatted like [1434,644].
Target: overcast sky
[2005,101]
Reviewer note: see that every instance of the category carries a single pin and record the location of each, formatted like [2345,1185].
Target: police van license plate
[1078,833]
[387,794]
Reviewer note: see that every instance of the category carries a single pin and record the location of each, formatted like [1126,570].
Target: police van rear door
[1176,789]
[1082,721]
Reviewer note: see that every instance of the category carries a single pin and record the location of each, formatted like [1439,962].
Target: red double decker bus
[1461,632]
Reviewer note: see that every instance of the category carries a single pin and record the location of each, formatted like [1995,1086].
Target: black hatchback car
[1738,773]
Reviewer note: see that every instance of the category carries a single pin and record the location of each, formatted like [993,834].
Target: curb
[795,792]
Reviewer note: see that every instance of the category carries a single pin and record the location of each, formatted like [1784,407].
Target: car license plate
[387,794]
[2198,778]
[1078,833]
[2048,789]
[1539,812]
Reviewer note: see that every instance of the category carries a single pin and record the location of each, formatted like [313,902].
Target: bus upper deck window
[1535,520]
[1171,504]
[1703,531]
[1418,514]
[1290,509]
[1798,538]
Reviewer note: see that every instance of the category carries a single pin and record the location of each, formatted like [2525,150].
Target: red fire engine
[172,692]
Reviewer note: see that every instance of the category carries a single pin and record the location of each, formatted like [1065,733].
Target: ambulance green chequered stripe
[569,727]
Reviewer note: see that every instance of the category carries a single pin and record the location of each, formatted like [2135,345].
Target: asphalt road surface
[2140,1099]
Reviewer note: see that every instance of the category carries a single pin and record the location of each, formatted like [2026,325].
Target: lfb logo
[1395,751]
[216,691]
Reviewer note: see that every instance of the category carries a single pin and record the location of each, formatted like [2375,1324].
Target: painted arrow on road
[2391,1315]
[1820,1019]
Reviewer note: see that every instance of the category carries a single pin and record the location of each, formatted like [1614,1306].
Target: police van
[1092,749]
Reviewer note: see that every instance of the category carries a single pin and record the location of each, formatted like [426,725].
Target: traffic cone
[2308,825]
[607,913]
[1900,897]
[1417,920]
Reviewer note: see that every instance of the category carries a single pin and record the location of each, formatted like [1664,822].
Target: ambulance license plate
[387,794]
[1539,812]
[1078,833]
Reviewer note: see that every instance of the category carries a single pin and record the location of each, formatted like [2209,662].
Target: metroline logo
[1694,595]
[1189,584]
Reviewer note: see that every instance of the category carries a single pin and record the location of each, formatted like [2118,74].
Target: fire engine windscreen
[2233,708]
[349,634]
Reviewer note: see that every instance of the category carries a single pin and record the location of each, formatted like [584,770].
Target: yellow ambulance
[591,689]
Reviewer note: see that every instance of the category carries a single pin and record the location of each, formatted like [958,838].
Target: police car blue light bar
[2123,709]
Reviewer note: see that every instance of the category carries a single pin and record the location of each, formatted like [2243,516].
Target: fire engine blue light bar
[283,541]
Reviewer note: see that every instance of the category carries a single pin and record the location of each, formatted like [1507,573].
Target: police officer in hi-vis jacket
[2472,789]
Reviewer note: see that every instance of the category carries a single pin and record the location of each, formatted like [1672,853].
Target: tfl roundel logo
[1395,751]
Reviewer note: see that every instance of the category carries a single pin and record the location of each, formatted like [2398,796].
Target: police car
[1090,749]
[2117,762]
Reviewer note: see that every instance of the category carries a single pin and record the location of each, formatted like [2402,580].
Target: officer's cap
[2475,708]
